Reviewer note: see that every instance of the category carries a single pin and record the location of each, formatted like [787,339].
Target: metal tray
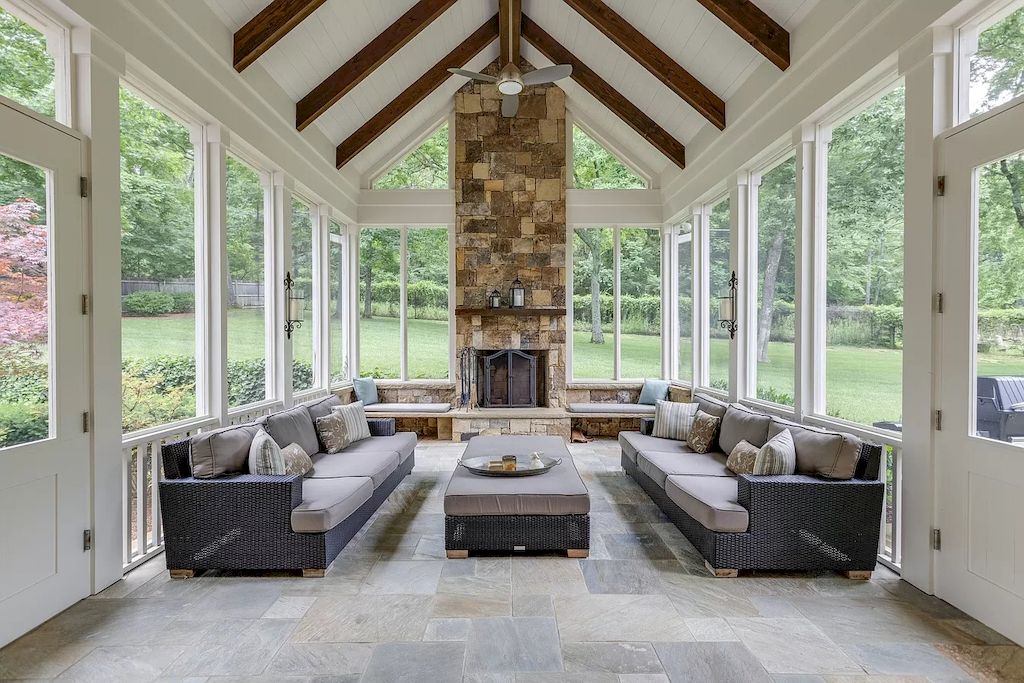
[525,465]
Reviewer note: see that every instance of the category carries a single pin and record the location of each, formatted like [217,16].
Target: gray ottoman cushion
[376,466]
[292,426]
[819,451]
[742,424]
[407,408]
[403,443]
[633,442]
[712,501]
[328,502]
[660,465]
[616,408]
[221,451]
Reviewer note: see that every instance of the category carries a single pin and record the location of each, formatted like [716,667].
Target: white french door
[44,452]
[980,448]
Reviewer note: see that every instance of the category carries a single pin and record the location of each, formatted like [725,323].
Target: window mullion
[214,189]
[819,254]
[322,295]
[616,303]
[283,261]
[403,317]
[701,299]
[803,320]
[670,302]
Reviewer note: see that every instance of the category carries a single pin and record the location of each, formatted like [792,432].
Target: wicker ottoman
[550,511]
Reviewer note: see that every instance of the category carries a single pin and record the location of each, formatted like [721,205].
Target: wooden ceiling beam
[605,93]
[653,58]
[364,62]
[269,26]
[751,24]
[415,93]
[510,13]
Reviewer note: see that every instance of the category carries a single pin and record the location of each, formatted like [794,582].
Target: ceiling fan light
[510,87]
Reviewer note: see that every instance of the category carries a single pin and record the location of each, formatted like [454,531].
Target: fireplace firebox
[507,379]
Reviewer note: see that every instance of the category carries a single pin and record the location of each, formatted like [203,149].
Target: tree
[378,251]
[776,233]
[591,240]
[424,168]
[23,273]
[26,68]
[595,168]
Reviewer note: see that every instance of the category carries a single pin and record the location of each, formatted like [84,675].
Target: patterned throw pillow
[265,455]
[356,426]
[332,431]
[741,460]
[778,456]
[296,460]
[703,432]
[672,420]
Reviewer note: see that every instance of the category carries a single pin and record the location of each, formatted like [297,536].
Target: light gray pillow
[265,455]
[828,454]
[777,456]
[292,426]
[296,460]
[742,424]
[356,426]
[333,432]
[221,451]
[673,420]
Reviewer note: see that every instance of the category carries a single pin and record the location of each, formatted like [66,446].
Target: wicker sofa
[243,521]
[825,517]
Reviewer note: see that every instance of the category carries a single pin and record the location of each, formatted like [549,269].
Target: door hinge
[938,420]
[85,421]
[936,539]
[938,302]
[87,539]
[940,186]
[85,304]
[83,186]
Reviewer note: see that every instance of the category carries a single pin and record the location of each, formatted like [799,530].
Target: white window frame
[702,294]
[966,45]
[403,303]
[666,319]
[58,43]
[341,238]
[315,304]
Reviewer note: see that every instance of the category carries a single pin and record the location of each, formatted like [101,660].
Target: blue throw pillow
[366,390]
[654,390]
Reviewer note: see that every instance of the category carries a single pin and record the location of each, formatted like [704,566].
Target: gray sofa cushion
[328,502]
[403,443]
[221,451]
[659,465]
[321,407]
[378,466]
[712,501]
[828,454]
[710,405]
[617,408]
[742,424]
[633,442]
[407,408]
[292,426]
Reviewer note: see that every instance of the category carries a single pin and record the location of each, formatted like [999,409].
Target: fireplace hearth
[508,378]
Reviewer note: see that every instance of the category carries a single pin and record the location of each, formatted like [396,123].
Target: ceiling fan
[511,81]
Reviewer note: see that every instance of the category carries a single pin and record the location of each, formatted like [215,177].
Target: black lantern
[494,299]
[517,294]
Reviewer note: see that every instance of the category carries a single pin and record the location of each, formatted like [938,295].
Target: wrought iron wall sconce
[727,307]
[295,306]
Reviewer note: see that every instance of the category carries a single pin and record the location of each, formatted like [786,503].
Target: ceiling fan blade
[474,75]
[509,105]
[548,74]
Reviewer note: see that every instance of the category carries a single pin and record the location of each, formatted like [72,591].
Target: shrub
[23,422]
[247,381]
[184,302]
[147,304]
[147,400]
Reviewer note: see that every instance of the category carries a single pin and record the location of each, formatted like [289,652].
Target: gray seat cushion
[712,501]
[321,407]
[617,408]
[221,451]
[408,408]
[293,426]
[326,503]
[829,454]
[742,424]
[560,491]
[659,465]
[378,466]
[403,443]
[633,442]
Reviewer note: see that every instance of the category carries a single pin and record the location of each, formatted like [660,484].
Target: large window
[719,254]
[380,338]
[158,266]
[595,168]
[776,283]
[427,303]
[864,294]
[246,293]
[424,168]
[637,253]
[336,303]
[995,61]
[304,363]
[684,301]
[27,70]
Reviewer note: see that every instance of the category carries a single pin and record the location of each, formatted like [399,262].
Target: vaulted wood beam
[415,93]
[363,63]
[269,26]
[510,13]
[653,58]
[605,93]
[751,24]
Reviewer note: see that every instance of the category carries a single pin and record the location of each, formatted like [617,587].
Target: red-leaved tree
[23,271]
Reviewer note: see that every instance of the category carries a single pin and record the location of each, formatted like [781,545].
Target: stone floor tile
[792,646]
[447,629]
[988,662]
[618,658]
[586,618]
[906,659]
[129,663]
[643,678]
[320,659]
[550,575]
[289,607]
[710,662]
[637,545]
[403,577]
[621,577]
[247,653]
[513,645]
[710,629]
[532,606]
[427,662]
[32,658]
[365,619]
[870,620]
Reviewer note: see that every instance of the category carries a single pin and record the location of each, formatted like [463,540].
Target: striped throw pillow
[778,456]
[672,420]
[265,455]
[356,426]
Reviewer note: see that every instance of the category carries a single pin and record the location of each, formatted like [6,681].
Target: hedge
[147,304]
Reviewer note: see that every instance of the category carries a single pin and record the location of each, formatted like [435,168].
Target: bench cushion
[633,442]
[616,408]
[378,466]
[712,501]
[292,426]
[742,424]
[328,502]
[403,443]
[833,455]
[660,465]
[408,408]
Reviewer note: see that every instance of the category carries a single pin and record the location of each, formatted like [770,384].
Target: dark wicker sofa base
[797,523]
[509,533]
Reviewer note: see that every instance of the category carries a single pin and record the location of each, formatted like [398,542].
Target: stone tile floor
[392,608]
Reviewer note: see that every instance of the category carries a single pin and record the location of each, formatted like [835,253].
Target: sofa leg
[313,573]
[182,573]
[457,554]
[577,552]
[858,575]
[722,573]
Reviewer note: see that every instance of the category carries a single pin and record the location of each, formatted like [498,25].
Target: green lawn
[862,384]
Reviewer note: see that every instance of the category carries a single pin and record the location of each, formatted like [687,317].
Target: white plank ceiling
[682,28]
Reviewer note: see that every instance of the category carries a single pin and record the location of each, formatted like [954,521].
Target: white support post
[203,278]
[617,303]
[322,295]
[352,297]
[451,301]
[570,315]
[816,299]
[403,312]
[282,255]
[701,299]
[926,65]
[98,65]
[670,302]
[214,193]
[272,277]
[743,261]
[803,380]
